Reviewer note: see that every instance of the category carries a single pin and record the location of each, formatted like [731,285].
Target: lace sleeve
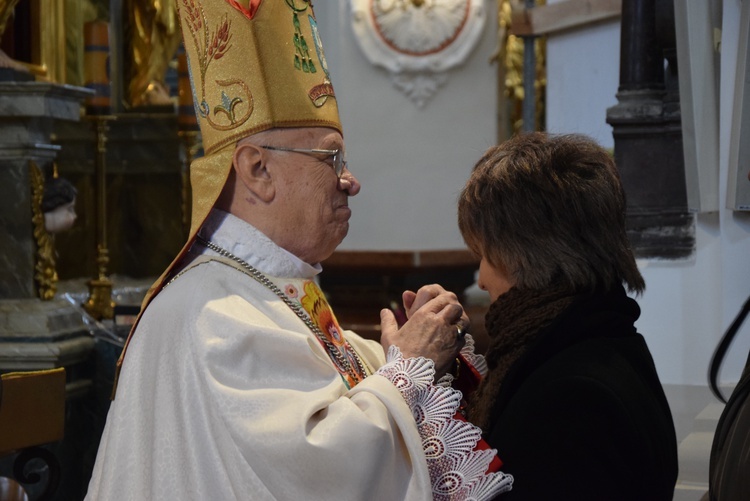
[457,471]
[475,359]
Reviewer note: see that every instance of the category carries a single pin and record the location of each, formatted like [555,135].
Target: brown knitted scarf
[513,322]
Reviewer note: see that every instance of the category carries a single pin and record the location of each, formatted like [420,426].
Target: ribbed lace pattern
[457,471]
[478,361]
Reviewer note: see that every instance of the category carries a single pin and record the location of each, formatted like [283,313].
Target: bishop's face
[313,202]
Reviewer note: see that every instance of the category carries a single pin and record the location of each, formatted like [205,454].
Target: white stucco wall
[413,162]
[583,70]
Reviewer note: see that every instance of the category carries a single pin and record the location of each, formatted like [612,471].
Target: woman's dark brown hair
[550,209]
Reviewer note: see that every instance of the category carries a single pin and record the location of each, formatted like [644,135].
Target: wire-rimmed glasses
[338,162]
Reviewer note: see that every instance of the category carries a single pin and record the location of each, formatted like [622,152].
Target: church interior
[99,130]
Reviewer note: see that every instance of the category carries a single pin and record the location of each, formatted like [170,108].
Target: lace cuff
[457,471]
[478,363]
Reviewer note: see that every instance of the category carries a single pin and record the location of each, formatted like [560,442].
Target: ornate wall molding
[417,41]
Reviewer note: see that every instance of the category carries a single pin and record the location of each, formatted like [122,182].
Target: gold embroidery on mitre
[320,93]
[249,11]
[303,61]
[212,45]
[226,109]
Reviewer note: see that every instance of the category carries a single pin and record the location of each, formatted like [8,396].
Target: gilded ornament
[211,46]
[227,106]
[509,54]
[154,38]
[44,267]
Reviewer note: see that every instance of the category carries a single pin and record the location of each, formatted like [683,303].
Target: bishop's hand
[434,318]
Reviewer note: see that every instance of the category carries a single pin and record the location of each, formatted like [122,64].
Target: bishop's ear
[249,163]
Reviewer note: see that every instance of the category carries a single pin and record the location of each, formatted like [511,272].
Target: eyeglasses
[337,156]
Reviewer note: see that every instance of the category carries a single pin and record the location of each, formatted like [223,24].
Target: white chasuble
[226,393]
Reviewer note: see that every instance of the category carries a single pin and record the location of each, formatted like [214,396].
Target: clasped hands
[435,318]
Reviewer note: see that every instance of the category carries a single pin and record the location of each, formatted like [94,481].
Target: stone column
[648,134]
[28,111]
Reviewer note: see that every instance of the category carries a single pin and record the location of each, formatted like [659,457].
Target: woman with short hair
[572,400]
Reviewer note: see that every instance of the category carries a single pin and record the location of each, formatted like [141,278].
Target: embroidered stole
[313,301]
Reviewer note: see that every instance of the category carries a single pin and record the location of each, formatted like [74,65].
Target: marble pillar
[17,252]
[28,113]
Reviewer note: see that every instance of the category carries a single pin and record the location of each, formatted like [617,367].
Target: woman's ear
[250,168]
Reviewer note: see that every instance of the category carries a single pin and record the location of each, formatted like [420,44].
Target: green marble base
[36,334]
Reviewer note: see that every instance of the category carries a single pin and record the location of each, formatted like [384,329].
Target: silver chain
[296,308]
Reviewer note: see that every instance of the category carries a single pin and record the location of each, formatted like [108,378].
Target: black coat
[582,414]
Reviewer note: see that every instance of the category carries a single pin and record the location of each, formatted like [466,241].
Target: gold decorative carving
[45,272]
[6,9]
[154,38]
[56,49]
[509,56]
[48,44]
